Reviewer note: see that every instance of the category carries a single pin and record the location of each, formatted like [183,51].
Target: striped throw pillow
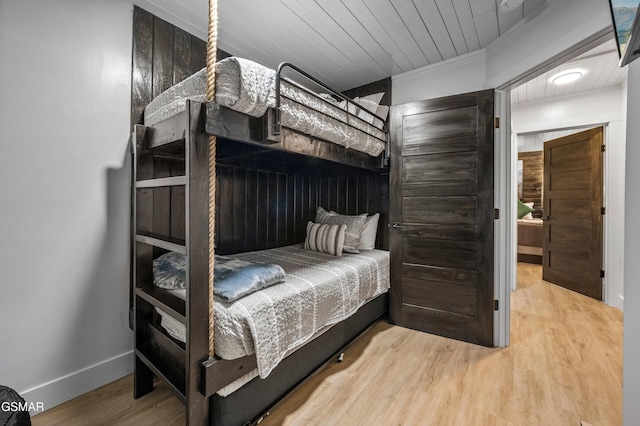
[325,238]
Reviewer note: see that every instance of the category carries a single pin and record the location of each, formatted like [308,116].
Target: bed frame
[180,144]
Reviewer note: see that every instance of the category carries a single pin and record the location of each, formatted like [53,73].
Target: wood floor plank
[564,366]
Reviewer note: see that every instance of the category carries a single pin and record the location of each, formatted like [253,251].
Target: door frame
[505,187]
[505,233]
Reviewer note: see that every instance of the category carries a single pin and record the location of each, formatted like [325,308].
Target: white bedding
[319,290]
[248,87]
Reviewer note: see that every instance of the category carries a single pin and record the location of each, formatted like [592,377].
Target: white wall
[631,369]
[596,107]
[458,75]
[604,107]
[64,194]
[556,29]
[560,26]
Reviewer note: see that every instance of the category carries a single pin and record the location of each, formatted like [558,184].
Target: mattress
[530,232]
[319,290]
[248,87]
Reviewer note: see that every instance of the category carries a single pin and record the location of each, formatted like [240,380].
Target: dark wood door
[442,215]
[573,186]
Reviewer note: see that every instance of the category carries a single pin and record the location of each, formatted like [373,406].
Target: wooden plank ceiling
[348,43]
[599,67]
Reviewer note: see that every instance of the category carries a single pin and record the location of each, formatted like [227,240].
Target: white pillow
[528,215]
[375,97]
[383,112]
[325,238]
[366,105]
[368,233]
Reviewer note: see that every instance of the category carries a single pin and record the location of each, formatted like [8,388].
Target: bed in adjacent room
[530,233]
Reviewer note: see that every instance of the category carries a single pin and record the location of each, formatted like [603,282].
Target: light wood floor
[564,366]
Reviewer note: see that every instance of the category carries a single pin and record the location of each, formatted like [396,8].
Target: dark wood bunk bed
[170,202]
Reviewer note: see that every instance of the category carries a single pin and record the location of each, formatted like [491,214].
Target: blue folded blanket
[233,278]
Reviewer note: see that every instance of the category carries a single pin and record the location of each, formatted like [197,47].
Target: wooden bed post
[199,150]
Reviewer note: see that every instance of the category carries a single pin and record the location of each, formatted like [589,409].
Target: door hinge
[495,304]
[601,273]
[602,210]
[496,122]
[603,148]
[496,214]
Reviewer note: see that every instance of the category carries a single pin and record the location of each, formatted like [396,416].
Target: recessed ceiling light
[507,5]
[567,77]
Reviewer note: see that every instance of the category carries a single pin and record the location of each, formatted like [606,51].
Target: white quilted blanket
[319,290]
[248,87]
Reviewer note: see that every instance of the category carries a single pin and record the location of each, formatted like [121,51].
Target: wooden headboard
[163,55]
[532,176]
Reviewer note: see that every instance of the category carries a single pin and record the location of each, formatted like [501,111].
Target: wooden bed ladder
[180,366]
[171,190]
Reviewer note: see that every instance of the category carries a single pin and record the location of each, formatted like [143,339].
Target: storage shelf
[162,241]
[160,182]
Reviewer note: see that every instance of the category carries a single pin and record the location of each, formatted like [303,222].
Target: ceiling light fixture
[567,77]
[508,5]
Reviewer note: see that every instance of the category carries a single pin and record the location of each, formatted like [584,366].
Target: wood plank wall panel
[264,209]
[163,55]
[142,64]
[532,177]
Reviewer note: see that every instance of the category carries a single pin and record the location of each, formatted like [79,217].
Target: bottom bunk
[272,329]
[252,401]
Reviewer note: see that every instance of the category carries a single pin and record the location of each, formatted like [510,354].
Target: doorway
[573,233]
[534,106]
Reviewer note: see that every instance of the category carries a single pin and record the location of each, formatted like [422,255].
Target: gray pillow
[354,227]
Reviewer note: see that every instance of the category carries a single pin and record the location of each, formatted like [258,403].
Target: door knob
[545,218]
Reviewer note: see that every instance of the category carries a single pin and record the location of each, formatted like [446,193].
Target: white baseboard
[80,382]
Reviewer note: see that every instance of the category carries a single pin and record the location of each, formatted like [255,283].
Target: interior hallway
[564,365]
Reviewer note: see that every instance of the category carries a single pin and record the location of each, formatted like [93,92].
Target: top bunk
[259,106]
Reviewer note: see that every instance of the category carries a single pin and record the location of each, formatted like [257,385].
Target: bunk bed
[171,324]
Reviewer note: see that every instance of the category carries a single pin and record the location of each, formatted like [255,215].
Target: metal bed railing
[277,125]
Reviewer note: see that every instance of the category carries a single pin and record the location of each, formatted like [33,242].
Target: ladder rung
[175,383]
[168,303]
[162,241]
[167,181]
